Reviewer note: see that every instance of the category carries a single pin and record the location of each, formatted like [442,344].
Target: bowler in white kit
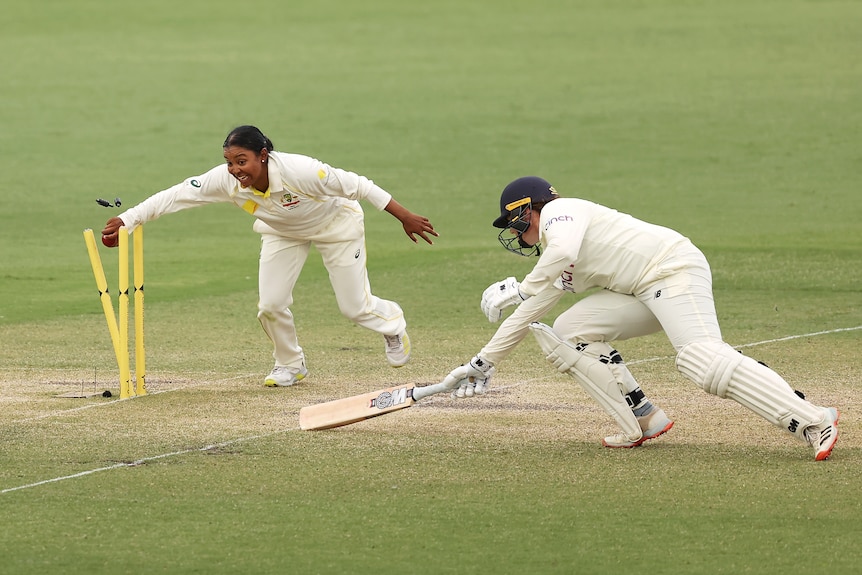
[296,202]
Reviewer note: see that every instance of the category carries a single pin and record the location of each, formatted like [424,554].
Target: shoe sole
[823,455]
[641,441]
[273,383]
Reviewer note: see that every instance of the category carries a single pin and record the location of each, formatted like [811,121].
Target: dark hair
[539,205]
[249,138]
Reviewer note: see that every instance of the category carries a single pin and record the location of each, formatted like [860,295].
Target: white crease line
[104,403]
[145,460]
[789,337]
[226,443]
[764,342]
[82,408]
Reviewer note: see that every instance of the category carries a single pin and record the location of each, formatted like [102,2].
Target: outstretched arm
[209,188]
[414,224]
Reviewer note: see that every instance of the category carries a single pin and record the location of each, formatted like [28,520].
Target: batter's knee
[709,364]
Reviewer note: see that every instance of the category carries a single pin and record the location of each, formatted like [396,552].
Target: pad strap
[594,375]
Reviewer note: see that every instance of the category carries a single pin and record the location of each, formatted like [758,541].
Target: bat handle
[449,383]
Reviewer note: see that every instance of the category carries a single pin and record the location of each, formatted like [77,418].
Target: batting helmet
[530,188]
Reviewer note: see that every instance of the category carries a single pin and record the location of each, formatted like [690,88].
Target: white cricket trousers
[681,304]
[281,261]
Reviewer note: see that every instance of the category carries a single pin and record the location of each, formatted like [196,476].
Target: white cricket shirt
[304,199]
[586,245]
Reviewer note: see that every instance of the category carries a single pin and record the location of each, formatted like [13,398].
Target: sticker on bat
[387,399]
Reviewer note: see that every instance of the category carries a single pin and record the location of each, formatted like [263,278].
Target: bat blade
[356,408]
[367,405]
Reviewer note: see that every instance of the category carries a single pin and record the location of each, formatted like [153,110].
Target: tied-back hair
[539,205]
[248,138]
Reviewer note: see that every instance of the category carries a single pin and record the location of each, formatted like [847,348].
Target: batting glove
[499,296]
[478,379]
[479,367]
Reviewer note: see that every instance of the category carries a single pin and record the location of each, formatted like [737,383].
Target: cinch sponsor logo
[559,219]
[387,399]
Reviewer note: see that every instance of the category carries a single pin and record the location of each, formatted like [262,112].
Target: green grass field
[736,122]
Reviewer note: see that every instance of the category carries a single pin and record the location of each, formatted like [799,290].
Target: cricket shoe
[652,425]
[397,349]
[823,436]
[284,376]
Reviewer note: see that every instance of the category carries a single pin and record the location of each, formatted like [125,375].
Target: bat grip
[449,383]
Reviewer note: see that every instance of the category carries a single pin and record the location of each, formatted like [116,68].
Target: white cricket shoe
[653,424]
[283,376]
[823,436]
[397,349]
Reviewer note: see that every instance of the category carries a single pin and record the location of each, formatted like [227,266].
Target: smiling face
[248,167]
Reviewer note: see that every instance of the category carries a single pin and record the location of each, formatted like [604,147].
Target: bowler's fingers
[424,237]
[111,231]
[424,227]
[112,226]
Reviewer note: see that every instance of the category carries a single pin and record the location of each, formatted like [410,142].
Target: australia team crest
[288,200]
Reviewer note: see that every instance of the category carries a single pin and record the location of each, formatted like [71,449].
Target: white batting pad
[595,377]
[721,370]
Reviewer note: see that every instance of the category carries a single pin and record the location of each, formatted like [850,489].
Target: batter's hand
[110,235]
[472,386]
[478,380]
[499,296]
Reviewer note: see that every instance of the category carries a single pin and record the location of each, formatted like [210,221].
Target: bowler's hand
[414,224]
[419,225]
[110,234]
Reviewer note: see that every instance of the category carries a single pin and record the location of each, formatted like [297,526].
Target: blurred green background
[736,123]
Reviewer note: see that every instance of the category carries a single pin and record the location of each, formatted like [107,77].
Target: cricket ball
[110,241]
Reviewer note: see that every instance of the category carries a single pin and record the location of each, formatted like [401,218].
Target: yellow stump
[118,325]
[140,357]
[123,318]
[104,296]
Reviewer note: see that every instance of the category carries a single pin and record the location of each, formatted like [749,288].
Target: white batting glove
[479,368]
[499,296]
[478,379]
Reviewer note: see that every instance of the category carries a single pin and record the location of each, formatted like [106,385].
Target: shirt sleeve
[208,188]
[516,327]
[350,185]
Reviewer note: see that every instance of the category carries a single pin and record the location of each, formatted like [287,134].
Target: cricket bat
[367,405]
